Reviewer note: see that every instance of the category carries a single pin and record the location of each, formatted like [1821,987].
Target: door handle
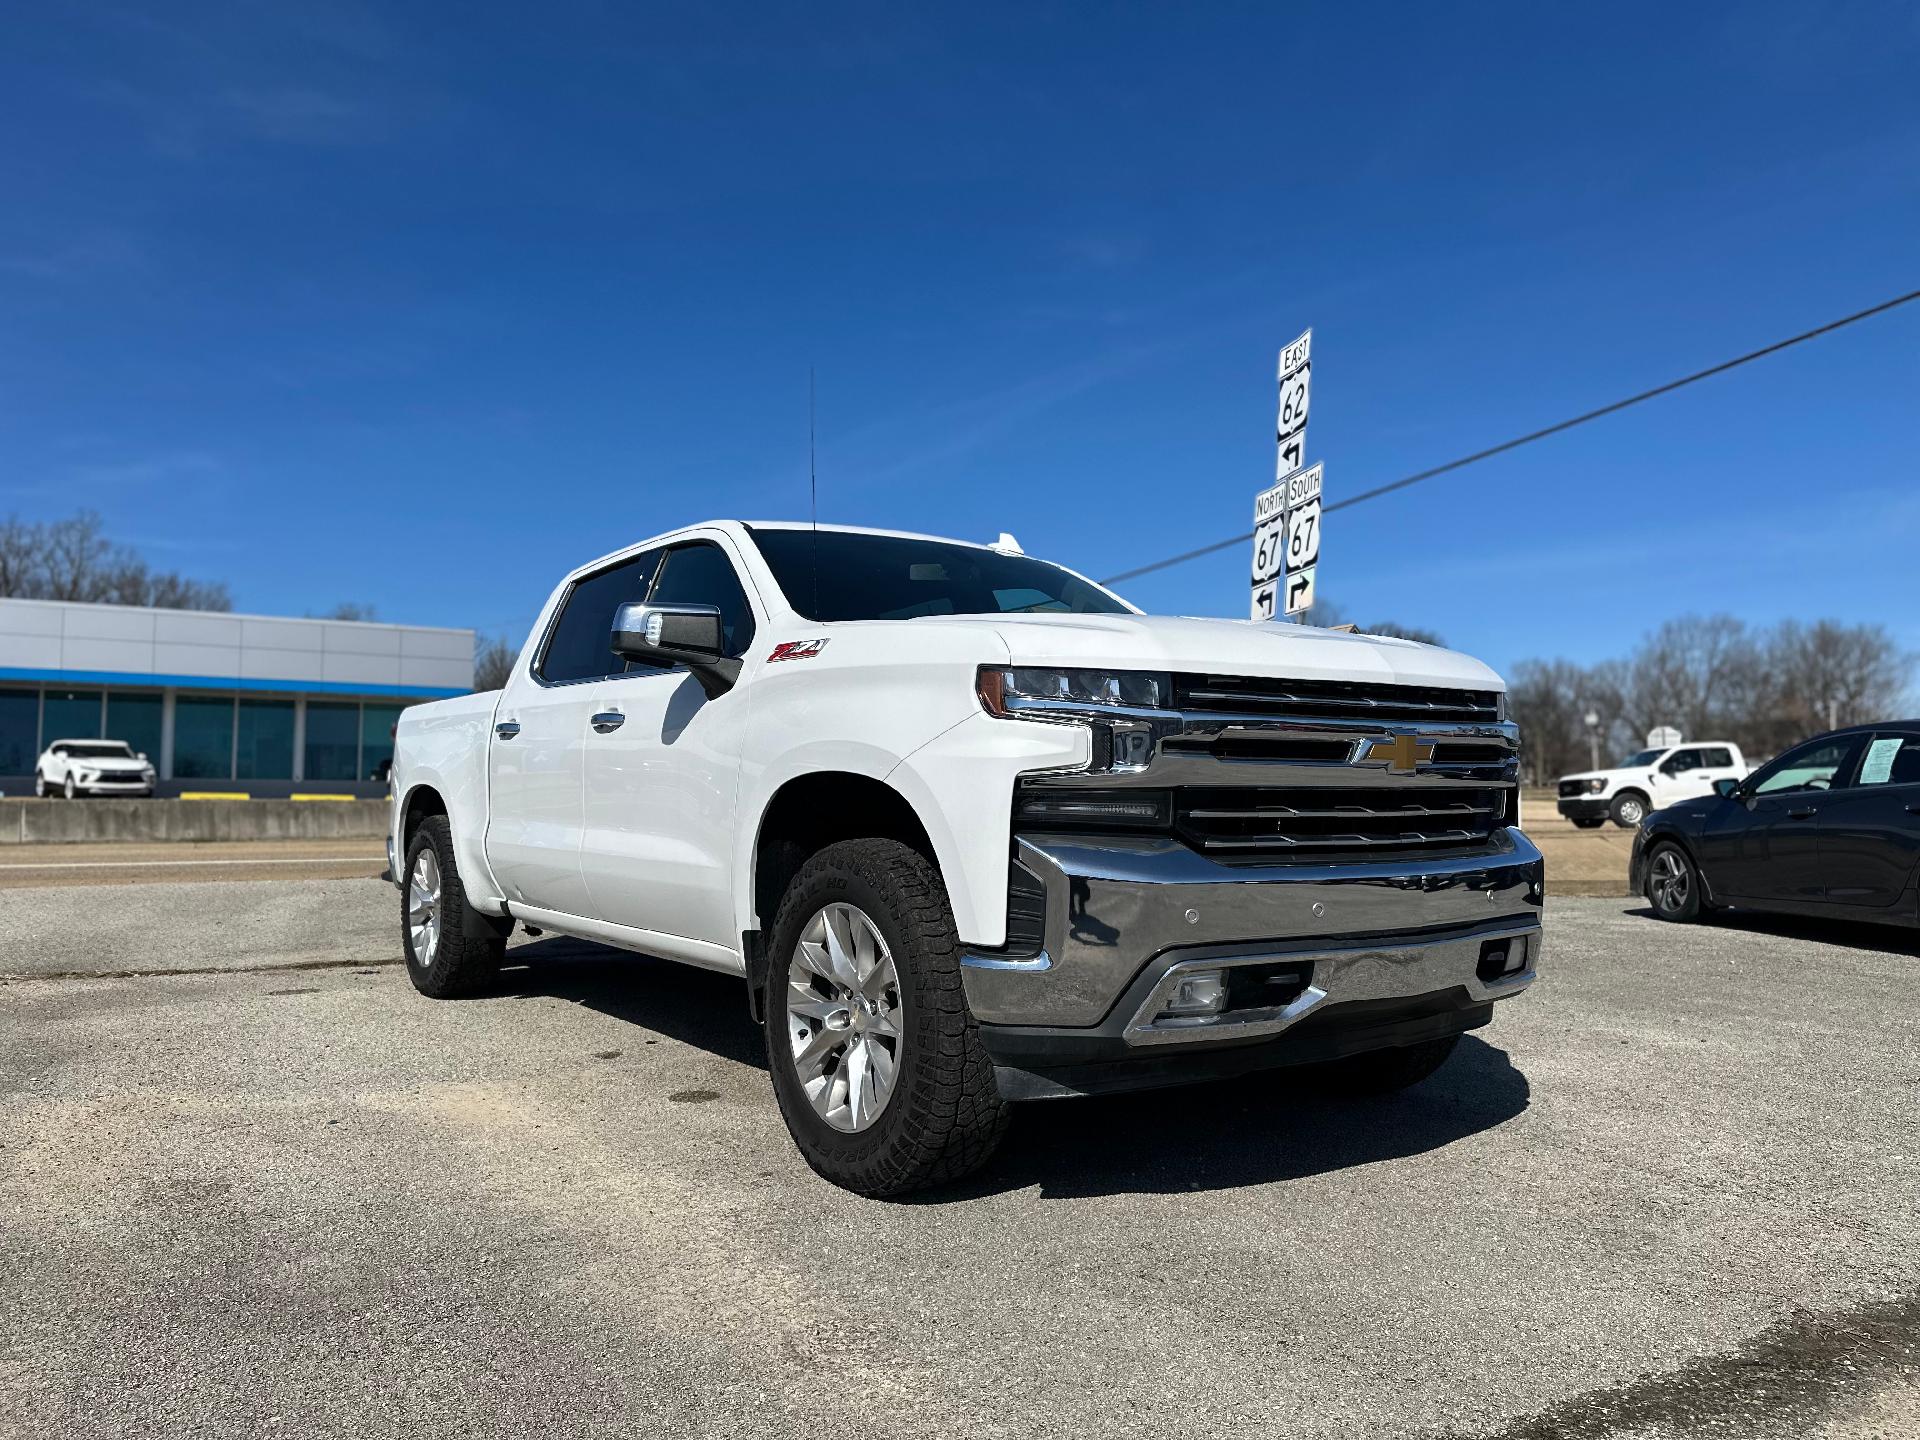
[1806,814]
[608,721]
[507,729]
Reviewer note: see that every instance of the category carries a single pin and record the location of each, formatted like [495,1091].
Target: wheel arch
[1669,835]
[802,816]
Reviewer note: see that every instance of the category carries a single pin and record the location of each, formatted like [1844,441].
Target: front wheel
[1629,808]
[442,961]
[1673,884]
[876,1061]
[70,790]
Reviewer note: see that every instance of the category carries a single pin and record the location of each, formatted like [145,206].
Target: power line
[1534,435]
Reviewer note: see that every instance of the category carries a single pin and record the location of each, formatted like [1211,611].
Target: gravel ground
[1671,1191]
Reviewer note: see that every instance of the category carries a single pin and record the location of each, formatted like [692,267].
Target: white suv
[1650,780]
[92,767]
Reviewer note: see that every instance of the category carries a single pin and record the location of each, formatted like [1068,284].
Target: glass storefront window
[376,739]
[19,731]
[333,740]
[136,720]
[202,738]
[265,750]
[71,715]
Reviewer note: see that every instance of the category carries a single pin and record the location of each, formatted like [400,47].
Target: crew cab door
[1680,776]
[537,755]
[662,773]
[1870,832]
[1765,844]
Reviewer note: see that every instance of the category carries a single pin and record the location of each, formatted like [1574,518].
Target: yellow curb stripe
[215,795]
[326,797]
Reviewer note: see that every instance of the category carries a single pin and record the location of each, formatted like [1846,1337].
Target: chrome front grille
[1348,700]
[1269,824]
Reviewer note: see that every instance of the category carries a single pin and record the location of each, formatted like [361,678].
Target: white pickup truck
[1649,780]
[974,830]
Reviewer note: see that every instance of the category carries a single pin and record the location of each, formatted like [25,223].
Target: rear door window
[1891,760]
[580,644]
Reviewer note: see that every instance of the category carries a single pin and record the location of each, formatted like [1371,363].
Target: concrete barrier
[54,822]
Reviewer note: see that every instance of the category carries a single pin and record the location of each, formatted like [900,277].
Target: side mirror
[689,635]
[1725,788]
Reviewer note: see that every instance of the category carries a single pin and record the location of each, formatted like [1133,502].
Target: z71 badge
[797,650]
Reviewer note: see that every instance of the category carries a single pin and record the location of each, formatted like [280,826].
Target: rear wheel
[876,1061]
[1629,808]
[1673,883]
[441,961]
[1383,1072]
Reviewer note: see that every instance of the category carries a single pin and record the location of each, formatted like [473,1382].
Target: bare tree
[493,658]
[1714,679]
[72,559]
[351,610]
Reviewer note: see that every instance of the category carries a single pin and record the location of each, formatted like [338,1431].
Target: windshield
[102,750]
[1639,758]
[888,577]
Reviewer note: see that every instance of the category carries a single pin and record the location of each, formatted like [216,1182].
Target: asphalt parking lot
[1670,1192]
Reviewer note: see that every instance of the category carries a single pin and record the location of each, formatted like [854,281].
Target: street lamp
[1593,739]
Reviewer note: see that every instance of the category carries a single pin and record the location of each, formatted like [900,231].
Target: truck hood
[1227,647]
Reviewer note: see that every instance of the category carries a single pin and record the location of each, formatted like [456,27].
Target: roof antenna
[813,496]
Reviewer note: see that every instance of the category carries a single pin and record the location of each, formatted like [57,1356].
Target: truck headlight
[1596,785]
[1031,694]
[1125,709]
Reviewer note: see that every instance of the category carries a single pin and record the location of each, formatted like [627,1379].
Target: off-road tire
[1593,824]
[1623,805]
[945,1116]
[463,964]
[1385,1072]
[1692,904]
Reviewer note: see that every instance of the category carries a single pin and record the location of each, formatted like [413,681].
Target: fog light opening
[1196,995]
[1502,958]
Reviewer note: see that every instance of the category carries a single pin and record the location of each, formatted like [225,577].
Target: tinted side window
[1818,766]
[1717,759]
[1891,760]
[580,645]
[701,574]
[1682,761]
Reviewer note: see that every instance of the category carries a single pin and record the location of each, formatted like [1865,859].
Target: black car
[1832,827]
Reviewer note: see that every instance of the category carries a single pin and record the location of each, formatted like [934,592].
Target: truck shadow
[1219,1135]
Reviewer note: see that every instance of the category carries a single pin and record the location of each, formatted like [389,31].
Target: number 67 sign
[1303,535]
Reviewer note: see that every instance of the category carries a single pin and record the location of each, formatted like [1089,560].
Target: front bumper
[137,789]
[1391,953]
[1585,807]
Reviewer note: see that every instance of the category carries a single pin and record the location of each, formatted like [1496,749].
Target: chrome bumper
[1121,913]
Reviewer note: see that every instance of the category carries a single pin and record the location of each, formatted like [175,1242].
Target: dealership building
[237,703]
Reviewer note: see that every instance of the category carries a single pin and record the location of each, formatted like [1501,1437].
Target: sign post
[1286,516]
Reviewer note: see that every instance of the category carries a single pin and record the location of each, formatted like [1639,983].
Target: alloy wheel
[423,907]
[844,1016]
[1670,881]
[1632,811]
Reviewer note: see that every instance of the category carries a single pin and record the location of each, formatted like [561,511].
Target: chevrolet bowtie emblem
[1402,754]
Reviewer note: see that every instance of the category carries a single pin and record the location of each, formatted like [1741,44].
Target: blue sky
[419,306]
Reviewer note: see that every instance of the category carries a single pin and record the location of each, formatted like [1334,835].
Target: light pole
[1593,739]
